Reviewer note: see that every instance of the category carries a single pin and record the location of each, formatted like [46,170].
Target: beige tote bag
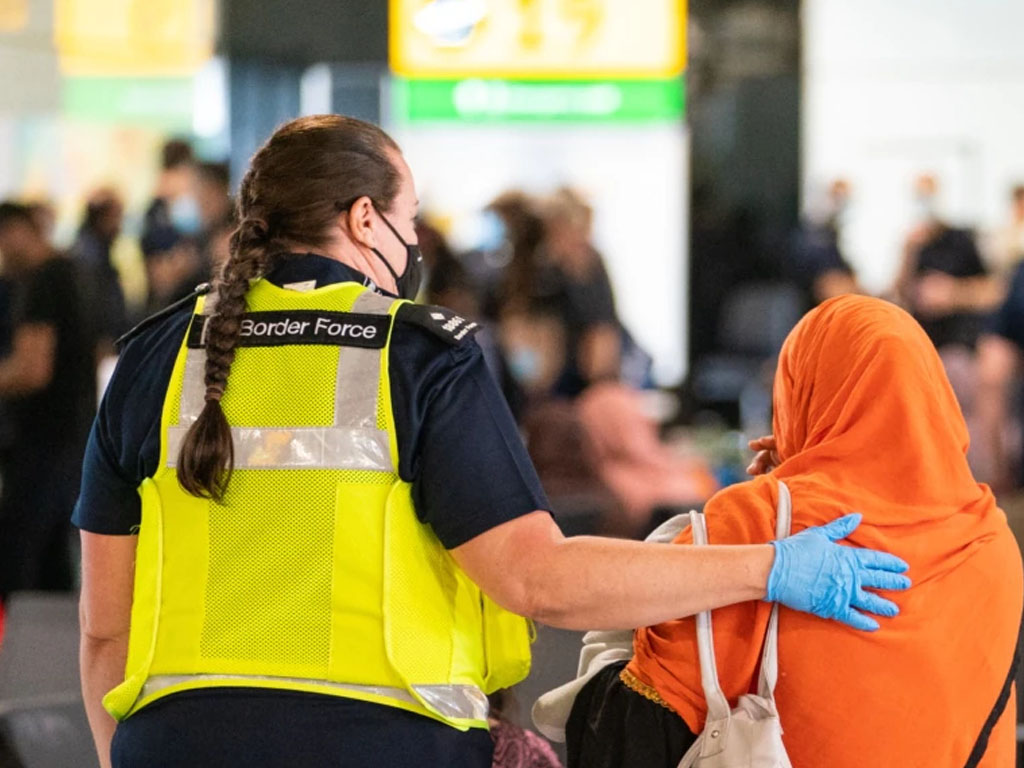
[749,736]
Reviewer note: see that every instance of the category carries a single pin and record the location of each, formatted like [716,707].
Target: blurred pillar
[357,90]
[743,94]
[305,33]
[271,43]
[263,95]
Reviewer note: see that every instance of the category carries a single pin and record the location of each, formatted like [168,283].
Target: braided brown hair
[308,172]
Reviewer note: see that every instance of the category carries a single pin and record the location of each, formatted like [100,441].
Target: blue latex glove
[814,574]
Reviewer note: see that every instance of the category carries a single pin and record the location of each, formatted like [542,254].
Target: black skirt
[613,726]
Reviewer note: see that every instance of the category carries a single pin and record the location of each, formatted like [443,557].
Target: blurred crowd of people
[571,371]
[967,292]
[573,375]
[61,311]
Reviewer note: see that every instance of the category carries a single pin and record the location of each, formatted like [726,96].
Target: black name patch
[277,329]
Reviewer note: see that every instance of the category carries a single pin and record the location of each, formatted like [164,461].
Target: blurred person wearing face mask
[48,383]
[817,264]
[448,283]
[172,219]
[943,281]
[174,270]
[216,210]
[100,228]
[514,229]
[533,343]
[945,285]
[525,301]
[594,335]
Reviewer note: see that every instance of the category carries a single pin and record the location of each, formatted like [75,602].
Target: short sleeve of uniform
[124,444]
[458,442]
[1008,320]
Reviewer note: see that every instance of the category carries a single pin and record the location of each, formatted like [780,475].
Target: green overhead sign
[161,102]
[503,101]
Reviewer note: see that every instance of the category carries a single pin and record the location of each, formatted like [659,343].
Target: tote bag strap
[718,705]
[770,657]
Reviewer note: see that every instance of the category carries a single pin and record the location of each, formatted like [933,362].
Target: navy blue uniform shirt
[458,446]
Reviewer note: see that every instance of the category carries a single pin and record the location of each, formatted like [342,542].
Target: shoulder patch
[443,323]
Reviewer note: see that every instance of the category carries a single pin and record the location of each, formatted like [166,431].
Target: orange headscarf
[866,421]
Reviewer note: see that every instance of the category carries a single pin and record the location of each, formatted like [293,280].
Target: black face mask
[408,283]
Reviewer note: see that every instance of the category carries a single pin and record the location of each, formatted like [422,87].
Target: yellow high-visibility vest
[315,573]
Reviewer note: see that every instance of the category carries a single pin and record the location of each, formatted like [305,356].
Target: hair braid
[207,455]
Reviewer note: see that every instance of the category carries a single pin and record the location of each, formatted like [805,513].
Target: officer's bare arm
[29,367]
[588,582]
[108,574]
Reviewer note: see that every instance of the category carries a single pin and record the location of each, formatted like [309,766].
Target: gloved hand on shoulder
[812,573]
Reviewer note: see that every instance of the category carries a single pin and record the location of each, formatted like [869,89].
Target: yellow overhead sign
[545,39]
[134,37]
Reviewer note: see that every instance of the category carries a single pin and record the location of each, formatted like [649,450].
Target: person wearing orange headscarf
[864,419]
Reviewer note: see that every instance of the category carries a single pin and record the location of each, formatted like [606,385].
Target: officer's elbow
[539,595]
[521,590]
[518,601]
[514,564]
[535,591]
[548,607]
[514,591]
[532,603]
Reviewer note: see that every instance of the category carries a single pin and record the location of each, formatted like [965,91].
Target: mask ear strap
[386,264]
[390,225]
[400,239]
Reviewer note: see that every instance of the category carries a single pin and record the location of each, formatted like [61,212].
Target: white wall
[635,177]
[896,87]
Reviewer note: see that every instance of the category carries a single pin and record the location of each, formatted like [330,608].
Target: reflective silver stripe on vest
[358,382]
[458,702]
[300,448]
[193,387]
[353,443]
